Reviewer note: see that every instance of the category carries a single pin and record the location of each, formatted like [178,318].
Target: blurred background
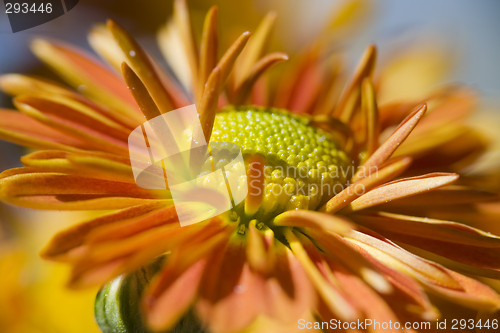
[462,34]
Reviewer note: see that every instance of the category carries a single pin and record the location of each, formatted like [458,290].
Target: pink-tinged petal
[351,94]
[390,170]
[228,287]
[180,288]
[208,51]
[450,195]
[483,216]
[136,250]
[371,304]
[400,189]
[408,299]
[456,148]
[255,49]
[172,292]
[307,86]
[21,129]
[309,219]
[308,257]
[433,277]
[242,92]
[289,291]
[40,110]
[142,66]
[392,143]
[452,240]
[74,236]
[128,228]
[72,111]
[260,91]
[336,247]
[82,70]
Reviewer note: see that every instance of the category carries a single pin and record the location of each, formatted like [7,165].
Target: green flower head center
[304,166]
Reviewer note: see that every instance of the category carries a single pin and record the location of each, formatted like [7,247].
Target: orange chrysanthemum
[362,253]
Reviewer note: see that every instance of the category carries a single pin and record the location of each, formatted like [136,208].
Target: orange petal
[348,100]
[335,301]
[75,235]
[260,249]
[392,143]
[43,184]
[140,93]
[26,131]
[390,170]
[127,228]
[209,102]
[308,219]
[228,59]
[255,48]
[172,47]
[401,189]
[142,66]
[335,127]
[183,24]
[255,184]
[242,91]
[102,42]
[51,114]
[15,84]
[77,202]
[79,164]
[81,70]
[208,50]
[370,111]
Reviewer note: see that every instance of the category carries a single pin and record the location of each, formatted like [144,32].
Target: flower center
[304,166]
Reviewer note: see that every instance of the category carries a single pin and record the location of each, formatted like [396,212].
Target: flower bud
[117,307]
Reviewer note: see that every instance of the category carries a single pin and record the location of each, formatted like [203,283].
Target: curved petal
[433,277]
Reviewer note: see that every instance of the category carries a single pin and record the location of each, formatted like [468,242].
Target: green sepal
[117,306]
